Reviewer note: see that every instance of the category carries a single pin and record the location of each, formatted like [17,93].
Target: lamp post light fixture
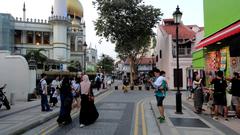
[177,15]
[84,57]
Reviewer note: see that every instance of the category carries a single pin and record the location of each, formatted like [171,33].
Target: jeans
[44,103]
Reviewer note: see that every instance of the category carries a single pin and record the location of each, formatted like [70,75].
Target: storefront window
[29,37]
[17,36]
[38,38]
[46,38]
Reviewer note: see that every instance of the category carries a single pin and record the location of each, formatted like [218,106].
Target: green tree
[128,24]
[74,66]
[38,56]
[106,64]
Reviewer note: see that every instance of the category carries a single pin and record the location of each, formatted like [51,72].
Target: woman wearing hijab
[66,103]
[88,112]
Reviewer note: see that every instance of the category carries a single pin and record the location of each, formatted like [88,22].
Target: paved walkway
[190,123]
[25,115]
[119,114]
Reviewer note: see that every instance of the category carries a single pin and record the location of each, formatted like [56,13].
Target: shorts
[220,99]
[236,100]
[160,100]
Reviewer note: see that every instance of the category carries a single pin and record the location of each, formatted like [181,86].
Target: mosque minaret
[60,23]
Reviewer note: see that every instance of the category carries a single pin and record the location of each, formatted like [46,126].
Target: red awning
[222,34]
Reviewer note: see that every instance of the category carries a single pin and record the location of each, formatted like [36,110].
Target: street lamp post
[177,15]
[84,57]
[103,63]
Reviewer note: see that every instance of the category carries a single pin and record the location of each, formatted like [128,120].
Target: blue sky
[40,9]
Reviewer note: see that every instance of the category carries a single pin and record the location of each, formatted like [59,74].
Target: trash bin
[12,98]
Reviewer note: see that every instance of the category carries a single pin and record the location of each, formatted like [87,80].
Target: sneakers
[161,119]
[81,125]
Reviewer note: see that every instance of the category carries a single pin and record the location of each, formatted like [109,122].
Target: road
[119,114]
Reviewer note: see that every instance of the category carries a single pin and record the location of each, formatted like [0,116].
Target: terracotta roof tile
[184,31]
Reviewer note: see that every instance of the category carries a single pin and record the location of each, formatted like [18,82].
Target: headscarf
[85,85]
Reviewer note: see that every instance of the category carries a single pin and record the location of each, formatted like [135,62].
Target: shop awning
[220,35]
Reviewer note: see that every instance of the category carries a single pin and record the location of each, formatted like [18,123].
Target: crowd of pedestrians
[216,96]
[72,93]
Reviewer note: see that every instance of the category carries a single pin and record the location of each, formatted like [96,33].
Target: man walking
[44,99]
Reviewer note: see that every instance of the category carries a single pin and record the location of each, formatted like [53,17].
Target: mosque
[62,37]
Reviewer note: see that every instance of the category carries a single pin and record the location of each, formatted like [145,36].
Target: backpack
[98,80]
[39,90]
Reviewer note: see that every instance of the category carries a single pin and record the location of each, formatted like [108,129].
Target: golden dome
[74,7]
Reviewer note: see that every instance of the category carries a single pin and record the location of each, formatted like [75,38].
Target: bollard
[116,87]
[139,87]
[12,98]
[132,87]
[147,88]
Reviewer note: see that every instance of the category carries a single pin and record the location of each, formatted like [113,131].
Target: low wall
[15,73]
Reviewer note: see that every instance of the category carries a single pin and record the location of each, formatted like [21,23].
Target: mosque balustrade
[58,18]
[31,20]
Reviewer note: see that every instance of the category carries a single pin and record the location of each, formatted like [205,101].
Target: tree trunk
[132,70]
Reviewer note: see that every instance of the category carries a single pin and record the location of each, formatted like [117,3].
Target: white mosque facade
[62,36]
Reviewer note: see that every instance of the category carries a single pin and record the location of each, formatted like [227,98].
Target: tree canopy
[127,23]
[38,56]
[106,64]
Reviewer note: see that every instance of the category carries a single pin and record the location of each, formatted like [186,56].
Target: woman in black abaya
[88,112]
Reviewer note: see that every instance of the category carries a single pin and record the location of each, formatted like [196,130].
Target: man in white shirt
[44,99]
[160,85]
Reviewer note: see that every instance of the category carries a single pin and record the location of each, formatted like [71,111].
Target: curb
[155,116]
[32,123]
[165,128]
[20,110]
[20,128]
